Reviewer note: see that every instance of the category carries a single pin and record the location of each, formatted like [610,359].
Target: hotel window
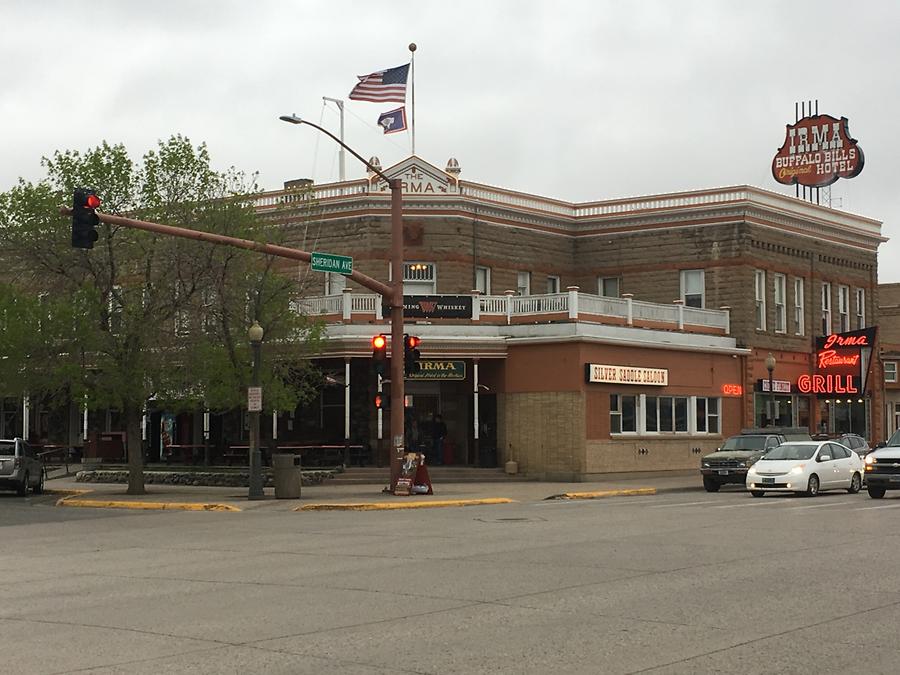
[693,288]
[483,280]
[707,415]
[622,414]
[552,284]
[608,287]
[780,309]
[760,300]
[419,278]
[843,309]
[890,371]
[523,283]
[860,307]
[335,283]
[826,308]
[799,318]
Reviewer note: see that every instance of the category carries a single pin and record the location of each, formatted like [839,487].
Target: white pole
[346,399]
[26,416]
[475,393]
[274,425]
[341,154]
[84,422]
[412,77]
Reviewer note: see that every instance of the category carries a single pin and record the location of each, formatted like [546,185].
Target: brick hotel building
[605,336]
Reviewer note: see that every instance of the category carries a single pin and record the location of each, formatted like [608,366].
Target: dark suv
[729,463]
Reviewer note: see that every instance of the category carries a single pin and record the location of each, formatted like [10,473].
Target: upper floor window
[419,278]
[552,284]
[799,317]
[843,309]
[826,308]
[890,371]
[523,283]
[483,280]
[760,300]
[608,287]
[780,307]
[860,307]
[693,288]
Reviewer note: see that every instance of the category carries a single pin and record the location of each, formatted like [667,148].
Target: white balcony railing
[572,305]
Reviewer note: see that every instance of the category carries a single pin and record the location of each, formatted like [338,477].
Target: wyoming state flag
[393,121]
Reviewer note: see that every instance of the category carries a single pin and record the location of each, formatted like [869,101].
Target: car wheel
[757,493]
[812,488]
[711,485]
[875,492]
[855,484]
[39,488]
[22,489]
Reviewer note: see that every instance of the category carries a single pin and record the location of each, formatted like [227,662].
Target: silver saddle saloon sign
[817,151]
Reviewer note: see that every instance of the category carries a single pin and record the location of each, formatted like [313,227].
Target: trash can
[286,474]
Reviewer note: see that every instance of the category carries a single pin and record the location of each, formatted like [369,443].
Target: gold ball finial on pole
[412,46]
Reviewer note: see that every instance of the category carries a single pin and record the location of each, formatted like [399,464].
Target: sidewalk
[184,497]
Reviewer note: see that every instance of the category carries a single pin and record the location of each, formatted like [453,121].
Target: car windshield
[7,449]
[792,451]
[745,443]
[895,438]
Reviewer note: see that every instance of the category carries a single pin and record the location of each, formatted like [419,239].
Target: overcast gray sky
[577,100]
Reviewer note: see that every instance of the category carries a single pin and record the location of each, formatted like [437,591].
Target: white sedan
[806,467]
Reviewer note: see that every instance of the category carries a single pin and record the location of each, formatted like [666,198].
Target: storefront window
[781,416]
[707,415]
[622,414]
[844,416]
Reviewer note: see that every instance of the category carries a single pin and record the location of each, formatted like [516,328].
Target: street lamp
[255,335]
[396,298]
[770,366]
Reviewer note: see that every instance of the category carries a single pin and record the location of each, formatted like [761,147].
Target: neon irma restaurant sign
[817,151]
[839,363]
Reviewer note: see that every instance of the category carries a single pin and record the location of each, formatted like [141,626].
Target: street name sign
[329,262]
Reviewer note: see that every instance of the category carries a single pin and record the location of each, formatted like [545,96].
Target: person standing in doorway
[438,433]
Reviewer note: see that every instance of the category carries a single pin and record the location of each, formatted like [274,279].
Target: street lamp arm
[293,119]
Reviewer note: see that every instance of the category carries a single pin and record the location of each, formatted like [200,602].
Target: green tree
[145,315]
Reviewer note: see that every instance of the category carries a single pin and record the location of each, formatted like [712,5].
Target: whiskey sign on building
[817,150]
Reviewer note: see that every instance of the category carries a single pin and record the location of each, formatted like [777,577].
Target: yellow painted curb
[145,506]
[600,494]
[387,506]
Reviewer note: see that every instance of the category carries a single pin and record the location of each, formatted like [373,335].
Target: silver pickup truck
[20,467]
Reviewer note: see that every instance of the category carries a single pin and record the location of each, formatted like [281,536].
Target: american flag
[385,85]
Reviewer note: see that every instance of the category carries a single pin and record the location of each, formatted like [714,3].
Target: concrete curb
[388,506]
[74,500]
[600,494]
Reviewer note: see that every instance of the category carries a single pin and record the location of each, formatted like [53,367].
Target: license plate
[768,481]
[724,472]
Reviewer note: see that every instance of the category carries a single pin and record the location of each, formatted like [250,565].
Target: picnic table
[314,454]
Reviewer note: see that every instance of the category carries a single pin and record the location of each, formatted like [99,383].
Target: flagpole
[412,60]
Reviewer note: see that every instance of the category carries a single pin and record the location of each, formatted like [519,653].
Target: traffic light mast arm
[269,249]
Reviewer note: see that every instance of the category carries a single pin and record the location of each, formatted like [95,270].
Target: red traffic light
[93,201]
[379,401]
[412,341]
[379,342]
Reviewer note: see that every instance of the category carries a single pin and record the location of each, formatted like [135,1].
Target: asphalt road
[673,583]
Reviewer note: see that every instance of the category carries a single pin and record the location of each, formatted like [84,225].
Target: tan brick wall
[544,433]
[663,454]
